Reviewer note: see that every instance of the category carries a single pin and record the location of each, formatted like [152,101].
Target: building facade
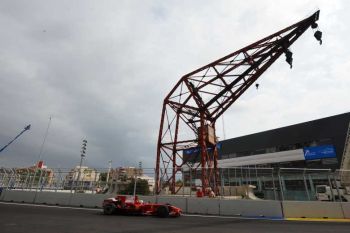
[82,177]
[315,144]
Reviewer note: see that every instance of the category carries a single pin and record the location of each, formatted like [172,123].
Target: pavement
[50,219]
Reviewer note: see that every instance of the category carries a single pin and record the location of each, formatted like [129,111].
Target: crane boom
[25,129]
[193,106]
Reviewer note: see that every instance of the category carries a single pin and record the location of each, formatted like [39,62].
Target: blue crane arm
[25,129]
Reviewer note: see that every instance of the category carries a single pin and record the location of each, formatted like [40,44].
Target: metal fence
[257,183]
[86,180]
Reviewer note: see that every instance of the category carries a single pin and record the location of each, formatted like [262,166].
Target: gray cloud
[102,70]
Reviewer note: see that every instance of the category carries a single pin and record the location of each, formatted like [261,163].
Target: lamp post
[109,170]
[82,156]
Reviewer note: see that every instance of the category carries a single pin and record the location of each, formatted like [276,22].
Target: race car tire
[163,211]
[109,209]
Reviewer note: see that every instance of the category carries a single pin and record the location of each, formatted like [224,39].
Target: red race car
[131,205]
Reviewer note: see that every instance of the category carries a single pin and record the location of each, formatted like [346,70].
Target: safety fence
[286,184]
[77,180]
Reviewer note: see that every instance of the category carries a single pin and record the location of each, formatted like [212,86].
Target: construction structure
[193,106]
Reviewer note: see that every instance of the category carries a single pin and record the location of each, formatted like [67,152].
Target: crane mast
[193,106]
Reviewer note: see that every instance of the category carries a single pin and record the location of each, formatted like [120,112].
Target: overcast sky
[101,69]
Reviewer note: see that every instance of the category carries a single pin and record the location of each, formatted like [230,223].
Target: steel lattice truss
[202,96]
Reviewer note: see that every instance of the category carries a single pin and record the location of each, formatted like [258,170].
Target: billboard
[196,150]
[319,152]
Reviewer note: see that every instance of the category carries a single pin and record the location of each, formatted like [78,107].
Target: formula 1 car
[131,205]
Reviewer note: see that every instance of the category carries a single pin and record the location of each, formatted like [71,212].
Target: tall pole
[203,151]
[135,187]
[40,152]
[42,145]
[82,156]
[79,173]
[109,171]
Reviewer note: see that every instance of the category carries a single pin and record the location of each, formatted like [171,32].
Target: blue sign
[319,152]
[195,150]
[190,151]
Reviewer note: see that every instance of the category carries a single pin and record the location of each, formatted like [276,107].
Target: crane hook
[289,57]
[318,36]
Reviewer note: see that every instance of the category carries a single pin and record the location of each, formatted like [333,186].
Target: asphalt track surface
[42,219]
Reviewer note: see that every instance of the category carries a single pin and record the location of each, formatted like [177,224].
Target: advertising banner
[319,152]
[195,150]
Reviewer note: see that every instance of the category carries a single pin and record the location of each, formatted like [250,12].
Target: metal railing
[260,183]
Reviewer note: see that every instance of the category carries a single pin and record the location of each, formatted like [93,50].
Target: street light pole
[109,170]
[82,156]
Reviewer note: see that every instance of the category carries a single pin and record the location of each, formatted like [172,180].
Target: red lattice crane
[193,106]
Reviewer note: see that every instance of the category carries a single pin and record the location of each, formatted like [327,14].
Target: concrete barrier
[18,196]
[192,205]
[312,209]
[346,209]
[251,208]
[91,200]
[2,194]
[88,200]
[203,206]
[180,202]
[53,198]
[152,199]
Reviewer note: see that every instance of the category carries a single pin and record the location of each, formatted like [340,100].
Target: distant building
[317,144]
[26,177]
[82,177]
[41,170]
[122,176]
[86,174]
[125,173]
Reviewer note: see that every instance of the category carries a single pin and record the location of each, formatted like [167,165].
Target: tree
[142,187]
[103,176]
